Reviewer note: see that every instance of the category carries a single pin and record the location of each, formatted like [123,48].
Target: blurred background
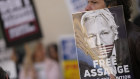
[54,53]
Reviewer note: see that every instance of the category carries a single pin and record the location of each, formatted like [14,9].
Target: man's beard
[104,51]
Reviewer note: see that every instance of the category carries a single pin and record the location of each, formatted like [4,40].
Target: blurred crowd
[41,63]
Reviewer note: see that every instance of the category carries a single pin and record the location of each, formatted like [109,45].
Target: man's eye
[91,36]
[94,2]
[104,33]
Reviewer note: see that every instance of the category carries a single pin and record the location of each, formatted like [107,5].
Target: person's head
[52,51]
[39,53]
[101,30]
[99,4]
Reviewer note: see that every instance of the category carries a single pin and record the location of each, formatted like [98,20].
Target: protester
[52,52]
[45,67]
[133,31]
[28,71]
[38,66]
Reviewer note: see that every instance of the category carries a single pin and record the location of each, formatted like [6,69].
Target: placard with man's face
[101,31]
[101,40]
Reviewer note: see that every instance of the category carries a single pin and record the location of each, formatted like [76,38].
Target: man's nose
[88,7]
[98,40]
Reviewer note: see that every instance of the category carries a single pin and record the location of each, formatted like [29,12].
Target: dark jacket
[137,20]
[133,33]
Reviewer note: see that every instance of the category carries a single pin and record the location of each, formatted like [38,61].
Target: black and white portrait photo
[101,43]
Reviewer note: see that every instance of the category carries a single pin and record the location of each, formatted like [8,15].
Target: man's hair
[126,5]
[102,15]
[111,2]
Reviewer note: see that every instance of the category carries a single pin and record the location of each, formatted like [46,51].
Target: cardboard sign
[102,46]
[19,21]
[68,48]
[69,57]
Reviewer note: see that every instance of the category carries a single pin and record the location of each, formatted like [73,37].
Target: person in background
[133,31]
[14,58]
[45,67]
[17,57]
[52,51]
[3,74]
[27,71]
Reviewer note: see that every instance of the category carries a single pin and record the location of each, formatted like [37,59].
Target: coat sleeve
[138,49]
